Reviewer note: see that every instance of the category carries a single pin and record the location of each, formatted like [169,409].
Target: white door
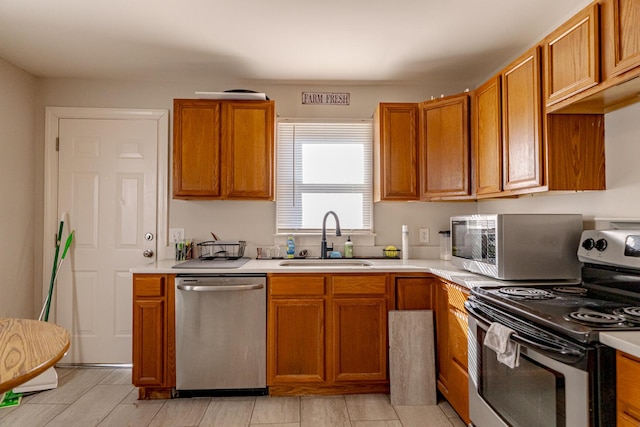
[107,186]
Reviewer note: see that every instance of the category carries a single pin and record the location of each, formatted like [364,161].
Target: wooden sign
[326,98]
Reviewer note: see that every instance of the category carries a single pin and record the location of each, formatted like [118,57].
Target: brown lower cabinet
[415,292]
[327,333]
[447,299]
[628,390]
[154,354]
[296,343]
[452,349]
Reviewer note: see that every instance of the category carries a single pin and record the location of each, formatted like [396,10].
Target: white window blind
[323,167]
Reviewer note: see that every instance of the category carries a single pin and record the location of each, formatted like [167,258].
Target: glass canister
[445,245]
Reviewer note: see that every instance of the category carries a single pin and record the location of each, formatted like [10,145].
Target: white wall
[17,184]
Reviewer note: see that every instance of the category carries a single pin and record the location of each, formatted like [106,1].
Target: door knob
[147,253]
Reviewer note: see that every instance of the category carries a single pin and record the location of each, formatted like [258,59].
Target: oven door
[550,387]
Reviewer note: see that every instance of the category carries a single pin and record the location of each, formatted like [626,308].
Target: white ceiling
[279,41]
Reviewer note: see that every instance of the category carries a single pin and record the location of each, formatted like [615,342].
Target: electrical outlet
[176,235]
[424,235]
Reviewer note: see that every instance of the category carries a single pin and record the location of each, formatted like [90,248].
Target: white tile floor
[105,397]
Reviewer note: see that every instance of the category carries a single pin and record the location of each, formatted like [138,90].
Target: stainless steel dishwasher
[221,333]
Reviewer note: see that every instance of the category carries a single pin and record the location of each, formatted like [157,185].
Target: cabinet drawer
[149,286]
[296,285]
[357,285]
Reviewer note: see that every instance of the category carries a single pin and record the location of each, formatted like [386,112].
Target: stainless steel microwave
[517,246]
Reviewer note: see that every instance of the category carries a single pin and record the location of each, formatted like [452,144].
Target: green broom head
[11,399]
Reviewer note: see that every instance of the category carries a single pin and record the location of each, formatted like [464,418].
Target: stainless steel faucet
[323,244]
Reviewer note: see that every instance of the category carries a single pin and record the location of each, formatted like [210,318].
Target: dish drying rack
[214,249]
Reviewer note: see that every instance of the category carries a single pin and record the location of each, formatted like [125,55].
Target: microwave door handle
[570,355]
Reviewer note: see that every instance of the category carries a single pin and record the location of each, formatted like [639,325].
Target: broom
[49,378]
[44,314]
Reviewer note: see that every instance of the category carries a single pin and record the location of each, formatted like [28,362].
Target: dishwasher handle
[220,288]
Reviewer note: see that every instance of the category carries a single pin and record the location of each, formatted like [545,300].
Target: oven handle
[565,354]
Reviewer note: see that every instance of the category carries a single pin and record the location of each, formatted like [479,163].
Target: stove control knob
[589,244]
[601,245]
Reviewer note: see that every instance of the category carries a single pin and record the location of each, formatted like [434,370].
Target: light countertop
[628,342]
[438,267]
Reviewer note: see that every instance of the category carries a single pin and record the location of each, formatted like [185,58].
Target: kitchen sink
[330,262]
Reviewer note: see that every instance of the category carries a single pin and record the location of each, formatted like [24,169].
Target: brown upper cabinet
[522,123]
[615,24]
[487,138]
[519,150]
[621,31]
[396,152]
[223,149]
[572,56]
[444,148]
[537,126]
[422,150]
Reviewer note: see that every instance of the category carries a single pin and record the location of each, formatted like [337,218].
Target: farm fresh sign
[326,98]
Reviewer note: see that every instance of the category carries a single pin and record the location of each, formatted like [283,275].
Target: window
[324,167]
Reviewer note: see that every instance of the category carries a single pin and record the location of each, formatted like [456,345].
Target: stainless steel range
[564,375]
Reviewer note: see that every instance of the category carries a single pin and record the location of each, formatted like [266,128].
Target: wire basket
[215,249]
[391,253]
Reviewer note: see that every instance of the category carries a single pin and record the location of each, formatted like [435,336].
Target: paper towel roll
[405,242]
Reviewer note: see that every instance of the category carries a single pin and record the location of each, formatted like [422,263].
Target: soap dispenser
[291,247]
[348,248]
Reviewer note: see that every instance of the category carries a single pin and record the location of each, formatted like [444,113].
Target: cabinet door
[621,27]
[414,293]
[248,156]
[458,350]
[396,151]
[451,333]
[442,337]
[575,152]
[296,341]
[196,149]
[458,346]
[521,121]
[487,137]
[149,330]
[572,56]
[628,389]
[359,339]
[444,147]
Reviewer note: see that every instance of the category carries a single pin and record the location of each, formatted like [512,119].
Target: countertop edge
[627,342]
[443,269]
